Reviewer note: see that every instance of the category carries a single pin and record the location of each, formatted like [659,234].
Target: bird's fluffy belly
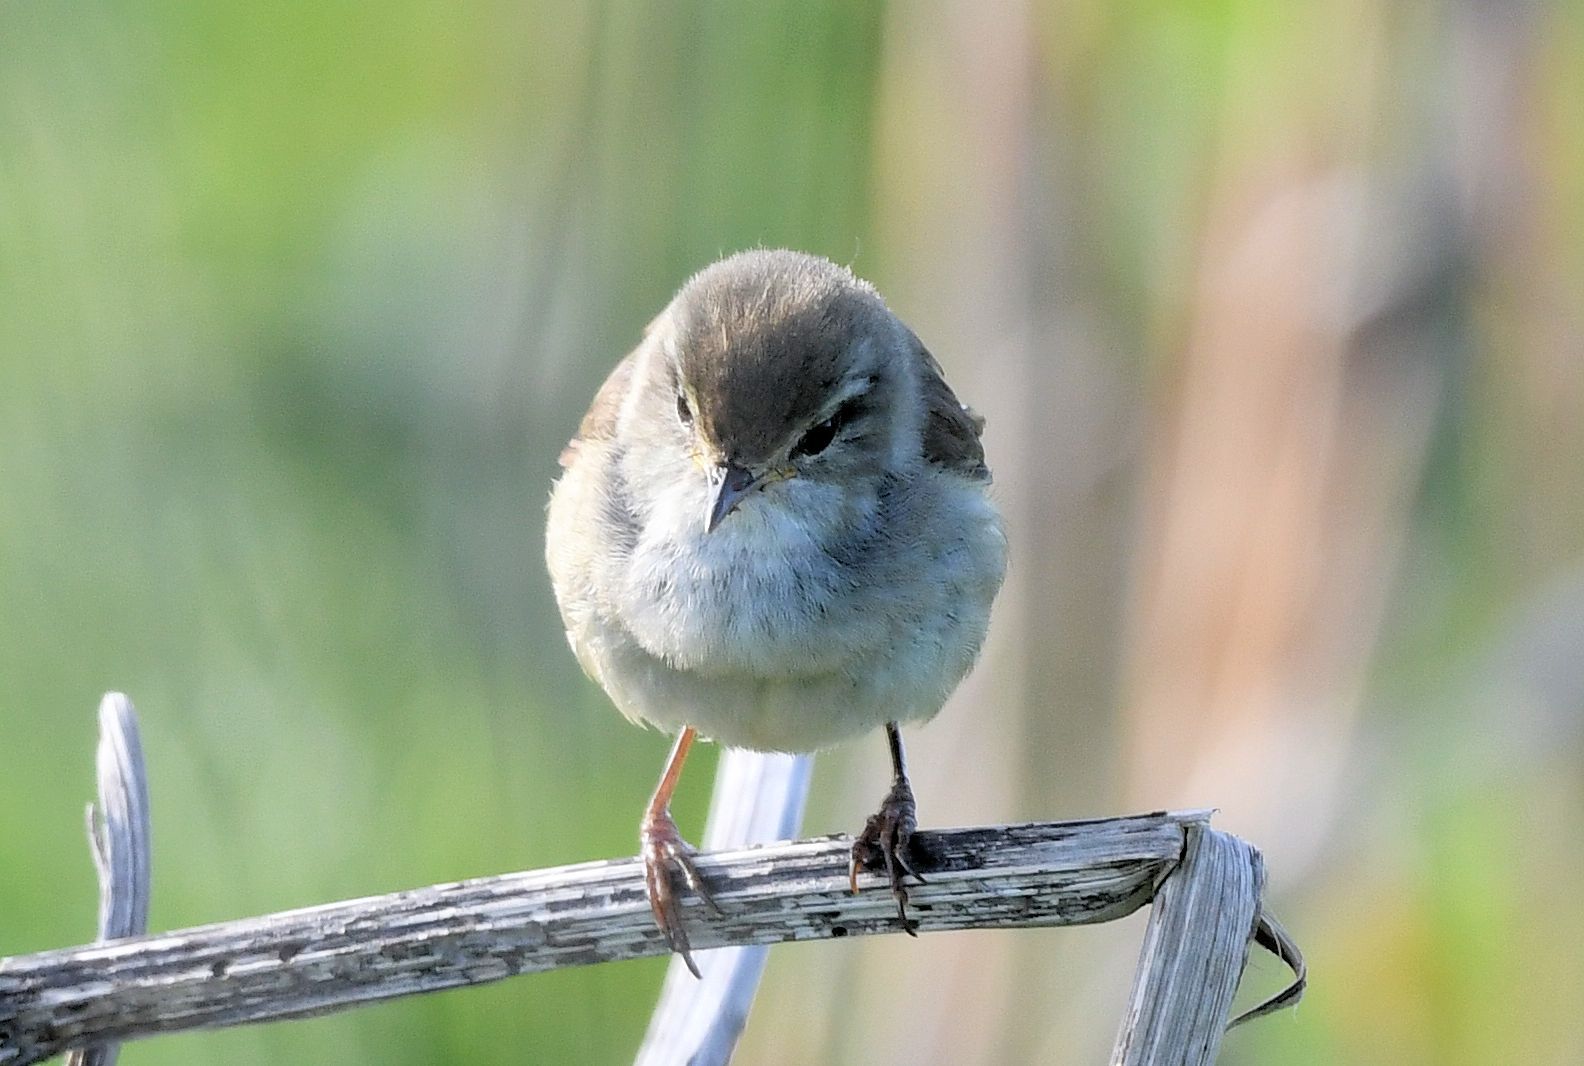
[774,650]
[789,712]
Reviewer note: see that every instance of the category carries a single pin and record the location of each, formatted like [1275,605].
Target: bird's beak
[730,483]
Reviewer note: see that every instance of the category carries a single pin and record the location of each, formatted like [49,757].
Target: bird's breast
[791,626]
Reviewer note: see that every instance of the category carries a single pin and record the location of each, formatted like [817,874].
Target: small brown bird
[774,529]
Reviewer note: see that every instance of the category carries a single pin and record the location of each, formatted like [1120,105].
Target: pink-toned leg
[668,859]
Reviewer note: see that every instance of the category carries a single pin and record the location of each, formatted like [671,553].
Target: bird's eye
[817,439]
[684,411]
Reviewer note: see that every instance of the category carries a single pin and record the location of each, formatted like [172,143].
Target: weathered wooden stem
[757,798]
[1197,941]
[1206,887]
[120,838]
[329,957]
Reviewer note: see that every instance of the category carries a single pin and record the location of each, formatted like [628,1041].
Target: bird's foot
[884,844]
[668,867]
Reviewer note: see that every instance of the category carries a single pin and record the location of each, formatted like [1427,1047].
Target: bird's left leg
[883,844]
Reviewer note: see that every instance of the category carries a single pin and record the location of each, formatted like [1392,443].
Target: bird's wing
[951,428]
[600,421]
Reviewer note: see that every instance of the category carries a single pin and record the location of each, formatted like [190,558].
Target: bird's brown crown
[762,340]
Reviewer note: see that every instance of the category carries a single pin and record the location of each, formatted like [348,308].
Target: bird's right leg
[667,858]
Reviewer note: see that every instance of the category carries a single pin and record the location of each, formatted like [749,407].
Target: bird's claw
[883,847]
[668,866]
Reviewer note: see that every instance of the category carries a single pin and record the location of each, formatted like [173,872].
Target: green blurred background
[1277,315]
